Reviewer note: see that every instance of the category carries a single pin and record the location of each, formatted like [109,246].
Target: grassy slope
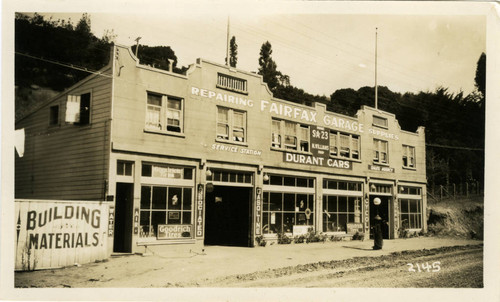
[461,217]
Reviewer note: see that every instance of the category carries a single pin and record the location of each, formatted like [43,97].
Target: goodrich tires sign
[51,234]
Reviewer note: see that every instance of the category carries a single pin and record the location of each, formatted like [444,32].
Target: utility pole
[376,87]
[137,46]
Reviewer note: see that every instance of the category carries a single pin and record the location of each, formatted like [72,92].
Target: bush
[283,239]
[358,236]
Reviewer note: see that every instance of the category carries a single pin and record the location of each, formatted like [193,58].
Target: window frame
[298,132]
[336,145]
[410,160]
[164,109]
[377,158]
[376,119]
[81,105]
[57,122]
[231,127]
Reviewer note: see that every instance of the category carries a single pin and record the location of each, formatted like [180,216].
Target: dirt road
[334,264]
[455,267]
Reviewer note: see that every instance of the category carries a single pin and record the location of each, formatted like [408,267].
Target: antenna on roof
[137,46]
[376,87]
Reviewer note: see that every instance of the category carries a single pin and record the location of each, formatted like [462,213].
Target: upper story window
[231,124]
[380,121]
[380,151]
[290,135]
[124,168]
[408,156]
[78,109]
[231,83]
[344,145]
[164,113]
[54,115]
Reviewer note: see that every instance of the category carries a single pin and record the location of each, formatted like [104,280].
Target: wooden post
[454,191]
[441,191]
[467,189]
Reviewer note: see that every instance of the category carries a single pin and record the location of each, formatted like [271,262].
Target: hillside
[462,218]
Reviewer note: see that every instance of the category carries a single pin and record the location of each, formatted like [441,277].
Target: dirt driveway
[203,267]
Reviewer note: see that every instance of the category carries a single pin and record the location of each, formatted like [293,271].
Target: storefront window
[164,205]
[411,216]
[281,211]
[338,211]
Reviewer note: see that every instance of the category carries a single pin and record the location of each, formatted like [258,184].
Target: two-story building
[211,157]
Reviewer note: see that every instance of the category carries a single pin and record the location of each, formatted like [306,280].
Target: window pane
[342,204]
[174,104]
[154,99]
[350,204]
[186,217]
[302,202]
[290,128]
[186,199]
[289,202]
[145,197]
[342,222]
[145,215]
[157,217]
[174,198]
[276,180]
[146,170]
[222,115]
[311,202]
[288,222]
[332,203]
[302,182]
[265,222]
[275,202]
[289,181]
[239,119]
[404,205]
[159,198]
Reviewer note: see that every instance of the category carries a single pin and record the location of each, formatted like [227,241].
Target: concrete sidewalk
[180,264]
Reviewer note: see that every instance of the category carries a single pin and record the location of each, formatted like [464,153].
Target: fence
[452,191]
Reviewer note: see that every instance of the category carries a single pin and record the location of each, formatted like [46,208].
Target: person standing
[378,234]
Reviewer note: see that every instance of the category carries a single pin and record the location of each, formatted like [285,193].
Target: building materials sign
[174,231]
[53,234]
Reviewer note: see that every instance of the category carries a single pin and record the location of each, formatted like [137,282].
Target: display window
[341,204]
[287,202]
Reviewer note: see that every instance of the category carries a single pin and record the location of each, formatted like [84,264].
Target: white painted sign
[51,234]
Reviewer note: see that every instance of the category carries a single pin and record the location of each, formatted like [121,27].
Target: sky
[321,50]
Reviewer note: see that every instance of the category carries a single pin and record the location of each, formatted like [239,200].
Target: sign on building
[51,234]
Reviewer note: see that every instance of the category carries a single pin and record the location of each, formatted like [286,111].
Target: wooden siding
[67,161]
[43,246]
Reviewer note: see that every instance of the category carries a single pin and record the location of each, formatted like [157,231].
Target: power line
[454,147]
[85,69]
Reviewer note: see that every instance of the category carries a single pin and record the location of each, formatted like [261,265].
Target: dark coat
[378,235]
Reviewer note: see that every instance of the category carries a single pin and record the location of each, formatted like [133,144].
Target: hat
[378,218]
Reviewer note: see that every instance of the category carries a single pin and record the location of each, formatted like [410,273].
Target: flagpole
[227,44]
[376,87]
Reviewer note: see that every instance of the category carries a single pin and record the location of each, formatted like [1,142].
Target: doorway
[383,211]
[228,216]
[122,241]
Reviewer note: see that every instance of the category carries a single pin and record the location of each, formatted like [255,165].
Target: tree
[268,68]
[233,52]
[480,78]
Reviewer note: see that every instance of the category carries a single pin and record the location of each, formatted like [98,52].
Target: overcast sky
[321,50]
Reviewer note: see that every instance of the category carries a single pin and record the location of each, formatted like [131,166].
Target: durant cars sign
[52,234]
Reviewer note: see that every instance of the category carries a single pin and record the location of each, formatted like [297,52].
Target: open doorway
[228,216]
[383,211]
[122,241]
